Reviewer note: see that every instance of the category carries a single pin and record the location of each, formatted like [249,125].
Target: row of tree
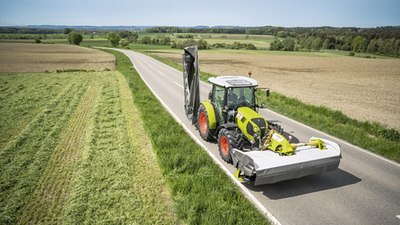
[380,40]
[389,46]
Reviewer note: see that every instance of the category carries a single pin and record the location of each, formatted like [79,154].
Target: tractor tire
[202,125]
[227,140]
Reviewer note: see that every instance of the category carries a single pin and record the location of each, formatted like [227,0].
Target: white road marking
[161,73]
[398,216]
[180,85]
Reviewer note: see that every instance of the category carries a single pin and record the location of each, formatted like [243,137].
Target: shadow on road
[305,185]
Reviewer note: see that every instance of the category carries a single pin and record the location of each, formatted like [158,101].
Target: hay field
[73,150]
[25,57]
[365,89]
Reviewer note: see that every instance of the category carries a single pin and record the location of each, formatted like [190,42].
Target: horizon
[286,13]
[194,26]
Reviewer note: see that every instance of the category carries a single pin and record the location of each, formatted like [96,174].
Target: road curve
[364,190]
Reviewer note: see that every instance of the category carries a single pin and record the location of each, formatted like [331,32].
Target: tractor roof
[233,81]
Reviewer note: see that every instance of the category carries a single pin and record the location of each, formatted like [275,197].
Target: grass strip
[23,160]
[202,192]
[372,136]
[115,179]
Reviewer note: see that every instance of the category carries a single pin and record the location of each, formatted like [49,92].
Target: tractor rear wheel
[227,140]
[203,125]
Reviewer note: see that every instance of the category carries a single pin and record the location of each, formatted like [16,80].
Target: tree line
[379,40]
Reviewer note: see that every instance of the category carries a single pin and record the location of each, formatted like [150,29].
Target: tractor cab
[229,93]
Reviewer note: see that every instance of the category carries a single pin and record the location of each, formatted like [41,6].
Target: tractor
[260,150]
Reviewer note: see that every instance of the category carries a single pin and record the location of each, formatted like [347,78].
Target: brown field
[24,57]
[365,89]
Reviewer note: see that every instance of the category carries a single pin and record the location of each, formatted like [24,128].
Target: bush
[351,53]
[38,41]
[235,45]
[114,38]
[124,42]
[288,44]
[74,38]
[201,44]
[276,45]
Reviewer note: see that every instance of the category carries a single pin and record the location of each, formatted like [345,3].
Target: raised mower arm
[191,89]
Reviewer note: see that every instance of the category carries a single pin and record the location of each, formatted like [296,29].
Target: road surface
[364,190]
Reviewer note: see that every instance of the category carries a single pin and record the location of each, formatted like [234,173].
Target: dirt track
[365,89]
[23,57]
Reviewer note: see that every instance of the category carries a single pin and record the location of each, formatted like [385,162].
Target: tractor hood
[250,123]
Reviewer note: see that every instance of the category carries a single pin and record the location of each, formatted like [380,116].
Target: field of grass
[73,150]
[203,193]
[371,136]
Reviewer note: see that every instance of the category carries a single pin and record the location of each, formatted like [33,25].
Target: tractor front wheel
[227,140]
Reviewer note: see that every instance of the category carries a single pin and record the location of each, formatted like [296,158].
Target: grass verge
[202,192]
[374,136]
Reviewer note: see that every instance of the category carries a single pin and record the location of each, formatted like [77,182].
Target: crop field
[364,89]
[73,150]
[25,57]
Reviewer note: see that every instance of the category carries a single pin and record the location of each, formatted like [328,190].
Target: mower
[260,150]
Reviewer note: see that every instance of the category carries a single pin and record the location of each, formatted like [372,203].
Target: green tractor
[259,150]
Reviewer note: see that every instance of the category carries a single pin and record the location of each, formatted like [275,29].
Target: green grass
[77,153]
[202,192]
[371,136]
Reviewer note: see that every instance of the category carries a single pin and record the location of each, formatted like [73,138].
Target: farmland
[83,147]
[72,150]
[26,57]
[365,89]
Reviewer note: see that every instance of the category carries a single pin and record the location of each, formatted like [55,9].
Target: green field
[73,151]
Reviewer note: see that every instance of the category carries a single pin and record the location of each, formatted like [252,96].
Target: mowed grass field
[27,57]
[364,89]
[73,151]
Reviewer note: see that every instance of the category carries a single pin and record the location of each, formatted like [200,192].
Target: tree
[372,46]
[145,40]
[113,38]
[359,44]
[67,30]
[276,45]
[288,44]
[124,42]
[75,38]
[129,35]
[316,44]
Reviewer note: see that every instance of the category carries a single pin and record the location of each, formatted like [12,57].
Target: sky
[287,13]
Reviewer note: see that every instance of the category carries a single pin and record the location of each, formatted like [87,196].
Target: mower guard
[269,167]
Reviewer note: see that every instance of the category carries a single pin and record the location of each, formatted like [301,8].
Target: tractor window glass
[218,95]
[243,96]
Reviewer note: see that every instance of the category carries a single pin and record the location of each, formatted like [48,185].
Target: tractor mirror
[267,92]
[209,95]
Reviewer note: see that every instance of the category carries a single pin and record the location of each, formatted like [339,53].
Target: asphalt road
[364,190]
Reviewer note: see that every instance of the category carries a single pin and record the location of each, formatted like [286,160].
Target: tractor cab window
[218,95]
[241,96]
[218,98]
